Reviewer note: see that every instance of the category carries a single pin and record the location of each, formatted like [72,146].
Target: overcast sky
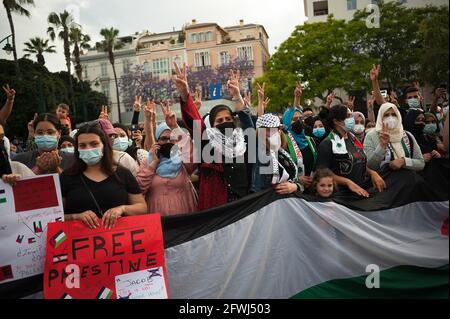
[279,17]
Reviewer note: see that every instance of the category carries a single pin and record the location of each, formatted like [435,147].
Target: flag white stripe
[291,245]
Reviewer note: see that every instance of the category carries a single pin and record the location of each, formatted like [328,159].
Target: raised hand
[233,84]
[10,93]
[104,113]
[31,126]
[180,81]
[298,89]
[384,136]
[375,72]
[370,103]
[330,98]
[265,103]
[169,115]
[351,103]
[248,98]
[150,111]
[137,106]
[198,99]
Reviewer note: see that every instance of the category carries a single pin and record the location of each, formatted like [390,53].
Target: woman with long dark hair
[96,190]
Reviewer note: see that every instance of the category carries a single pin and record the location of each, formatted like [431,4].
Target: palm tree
[60,24]
[16,6]
[39,46]
[80,42]
[110,43]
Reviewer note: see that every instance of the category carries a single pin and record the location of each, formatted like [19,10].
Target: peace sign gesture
[351,103]
[169,115]
[150,111]
[384,136]
[137,103]
[265,103]
[375,72]
[330,98]
[104,113]
[180,81]
[10,93]
[233,84]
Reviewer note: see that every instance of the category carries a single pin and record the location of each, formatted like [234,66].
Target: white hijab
[396,134]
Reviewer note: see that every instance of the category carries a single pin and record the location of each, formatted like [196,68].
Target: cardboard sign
[25,211]
[83,263]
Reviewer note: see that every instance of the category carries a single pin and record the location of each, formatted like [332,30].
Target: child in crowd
[324,184]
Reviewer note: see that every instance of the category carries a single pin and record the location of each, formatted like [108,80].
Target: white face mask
[358,129]
[445,110]
[391,122]
[275,142]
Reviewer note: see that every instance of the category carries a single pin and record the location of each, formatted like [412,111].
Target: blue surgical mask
[91,156]
[319,132]
[414,103]
[46,142]
[121,144]
[430,129]
[349,124]
[68,150]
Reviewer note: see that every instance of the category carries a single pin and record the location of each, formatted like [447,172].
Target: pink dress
[168,196]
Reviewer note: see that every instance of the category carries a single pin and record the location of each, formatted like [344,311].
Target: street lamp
[8,48]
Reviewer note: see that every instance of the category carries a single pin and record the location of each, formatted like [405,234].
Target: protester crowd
[109,170]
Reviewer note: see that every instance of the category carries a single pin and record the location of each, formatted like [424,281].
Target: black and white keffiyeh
[230,147]
[268,121]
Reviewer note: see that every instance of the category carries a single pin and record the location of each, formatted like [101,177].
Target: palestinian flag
[60,258]
[58,239]
[268,246]
[271,246]
[104,293]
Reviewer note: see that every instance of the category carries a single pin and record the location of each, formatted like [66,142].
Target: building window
[224,58]
[194,38]
[179,61]
[320,8]
[202,59]
[351,5]
[147,67]
[245,53]
[105,90]
[160,66]
[104,68]
[209,36]
[126,66]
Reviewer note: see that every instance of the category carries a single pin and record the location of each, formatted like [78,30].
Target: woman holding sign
[96,190]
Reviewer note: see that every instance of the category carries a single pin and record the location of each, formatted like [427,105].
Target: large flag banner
[25,211]
[125,262]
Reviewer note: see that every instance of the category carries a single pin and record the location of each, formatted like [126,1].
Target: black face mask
[418,128]
[226,127]
[297,127]
[167,149]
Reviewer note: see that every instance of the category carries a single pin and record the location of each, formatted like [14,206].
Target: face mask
[445,110]
[319,132]
[430,129]
[68,150]
[349,124]
[121,144]
[414,103]
[167,150]
[46,142]
[439,116]
[275,142]
[226,127]
[391,122]
[297,127]
[92,156]
[358,129]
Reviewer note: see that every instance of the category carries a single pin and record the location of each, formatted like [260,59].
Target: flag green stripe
[398,282]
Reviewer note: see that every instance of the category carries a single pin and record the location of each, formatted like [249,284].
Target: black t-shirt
[108,193]
[352,165]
